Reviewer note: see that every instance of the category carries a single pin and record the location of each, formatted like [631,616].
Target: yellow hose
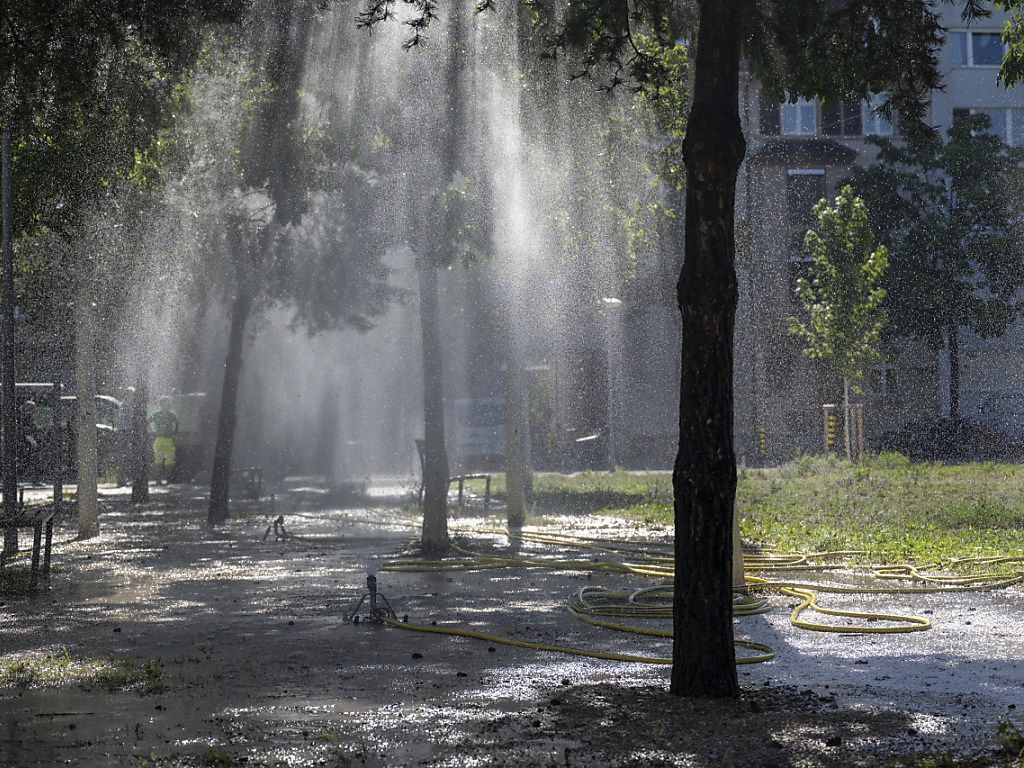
[766,652]
[806,592]
[910,623]
[593,604]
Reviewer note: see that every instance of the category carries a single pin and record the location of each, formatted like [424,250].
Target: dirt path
[234,651]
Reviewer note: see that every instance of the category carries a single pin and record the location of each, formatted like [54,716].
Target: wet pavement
[242,655]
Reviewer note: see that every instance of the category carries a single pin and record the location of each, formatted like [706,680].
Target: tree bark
[85,419]
[57,456]
[704,478]
[138,446]
[220,481]
[8,404]
[954,370]
[435,458]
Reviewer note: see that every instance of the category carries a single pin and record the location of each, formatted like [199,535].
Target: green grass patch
[616,492]
[53,668]
[887,506]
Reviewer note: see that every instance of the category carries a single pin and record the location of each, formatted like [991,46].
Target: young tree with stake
[842,297]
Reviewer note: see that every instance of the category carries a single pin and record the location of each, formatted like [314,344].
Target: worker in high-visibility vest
[163,425]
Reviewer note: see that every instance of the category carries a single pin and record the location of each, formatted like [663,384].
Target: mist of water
[539,155]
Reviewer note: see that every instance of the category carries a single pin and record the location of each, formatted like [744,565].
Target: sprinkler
[278,526]
[375,612]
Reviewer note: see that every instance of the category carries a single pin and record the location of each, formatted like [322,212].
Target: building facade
[798,153]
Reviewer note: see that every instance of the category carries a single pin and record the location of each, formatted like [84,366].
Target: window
[769,117]
[976,49]
[874,123]
[997,121]
[799,119]
[842,120]
[1007,124]
[1015,127]
[803,191]
[884,378]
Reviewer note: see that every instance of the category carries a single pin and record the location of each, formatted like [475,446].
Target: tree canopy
[843,303]
[51,50]
[287,202]
[948,212]
[81,87]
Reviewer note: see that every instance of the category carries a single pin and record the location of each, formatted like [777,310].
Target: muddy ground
[239,652]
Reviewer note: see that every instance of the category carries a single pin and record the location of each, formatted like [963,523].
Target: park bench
[39,518]
[460,479]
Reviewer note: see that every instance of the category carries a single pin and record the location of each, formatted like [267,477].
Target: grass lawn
[890,508]
[945,517]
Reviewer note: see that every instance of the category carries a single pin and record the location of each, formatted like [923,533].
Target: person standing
[163,425]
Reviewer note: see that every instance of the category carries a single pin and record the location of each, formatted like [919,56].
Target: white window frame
[967,38]
[1014,119]
[795,114]
[872,123]
[884,389]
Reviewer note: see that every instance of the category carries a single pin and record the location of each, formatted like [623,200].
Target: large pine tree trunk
[57,454]
[435,458]
[704,479]
[220,481]
[85,420]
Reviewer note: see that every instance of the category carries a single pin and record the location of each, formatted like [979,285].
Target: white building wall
[779,394]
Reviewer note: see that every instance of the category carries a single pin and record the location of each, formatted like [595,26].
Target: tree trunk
[704,478]
[8,405]
[516,439]
[138,445]
[220,481]
[57,455]
[435,457]
[85,419]
[954,371]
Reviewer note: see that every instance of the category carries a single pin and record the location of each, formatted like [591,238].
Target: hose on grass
[599,607]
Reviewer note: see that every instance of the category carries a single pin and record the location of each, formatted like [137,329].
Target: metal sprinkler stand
[375,611]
